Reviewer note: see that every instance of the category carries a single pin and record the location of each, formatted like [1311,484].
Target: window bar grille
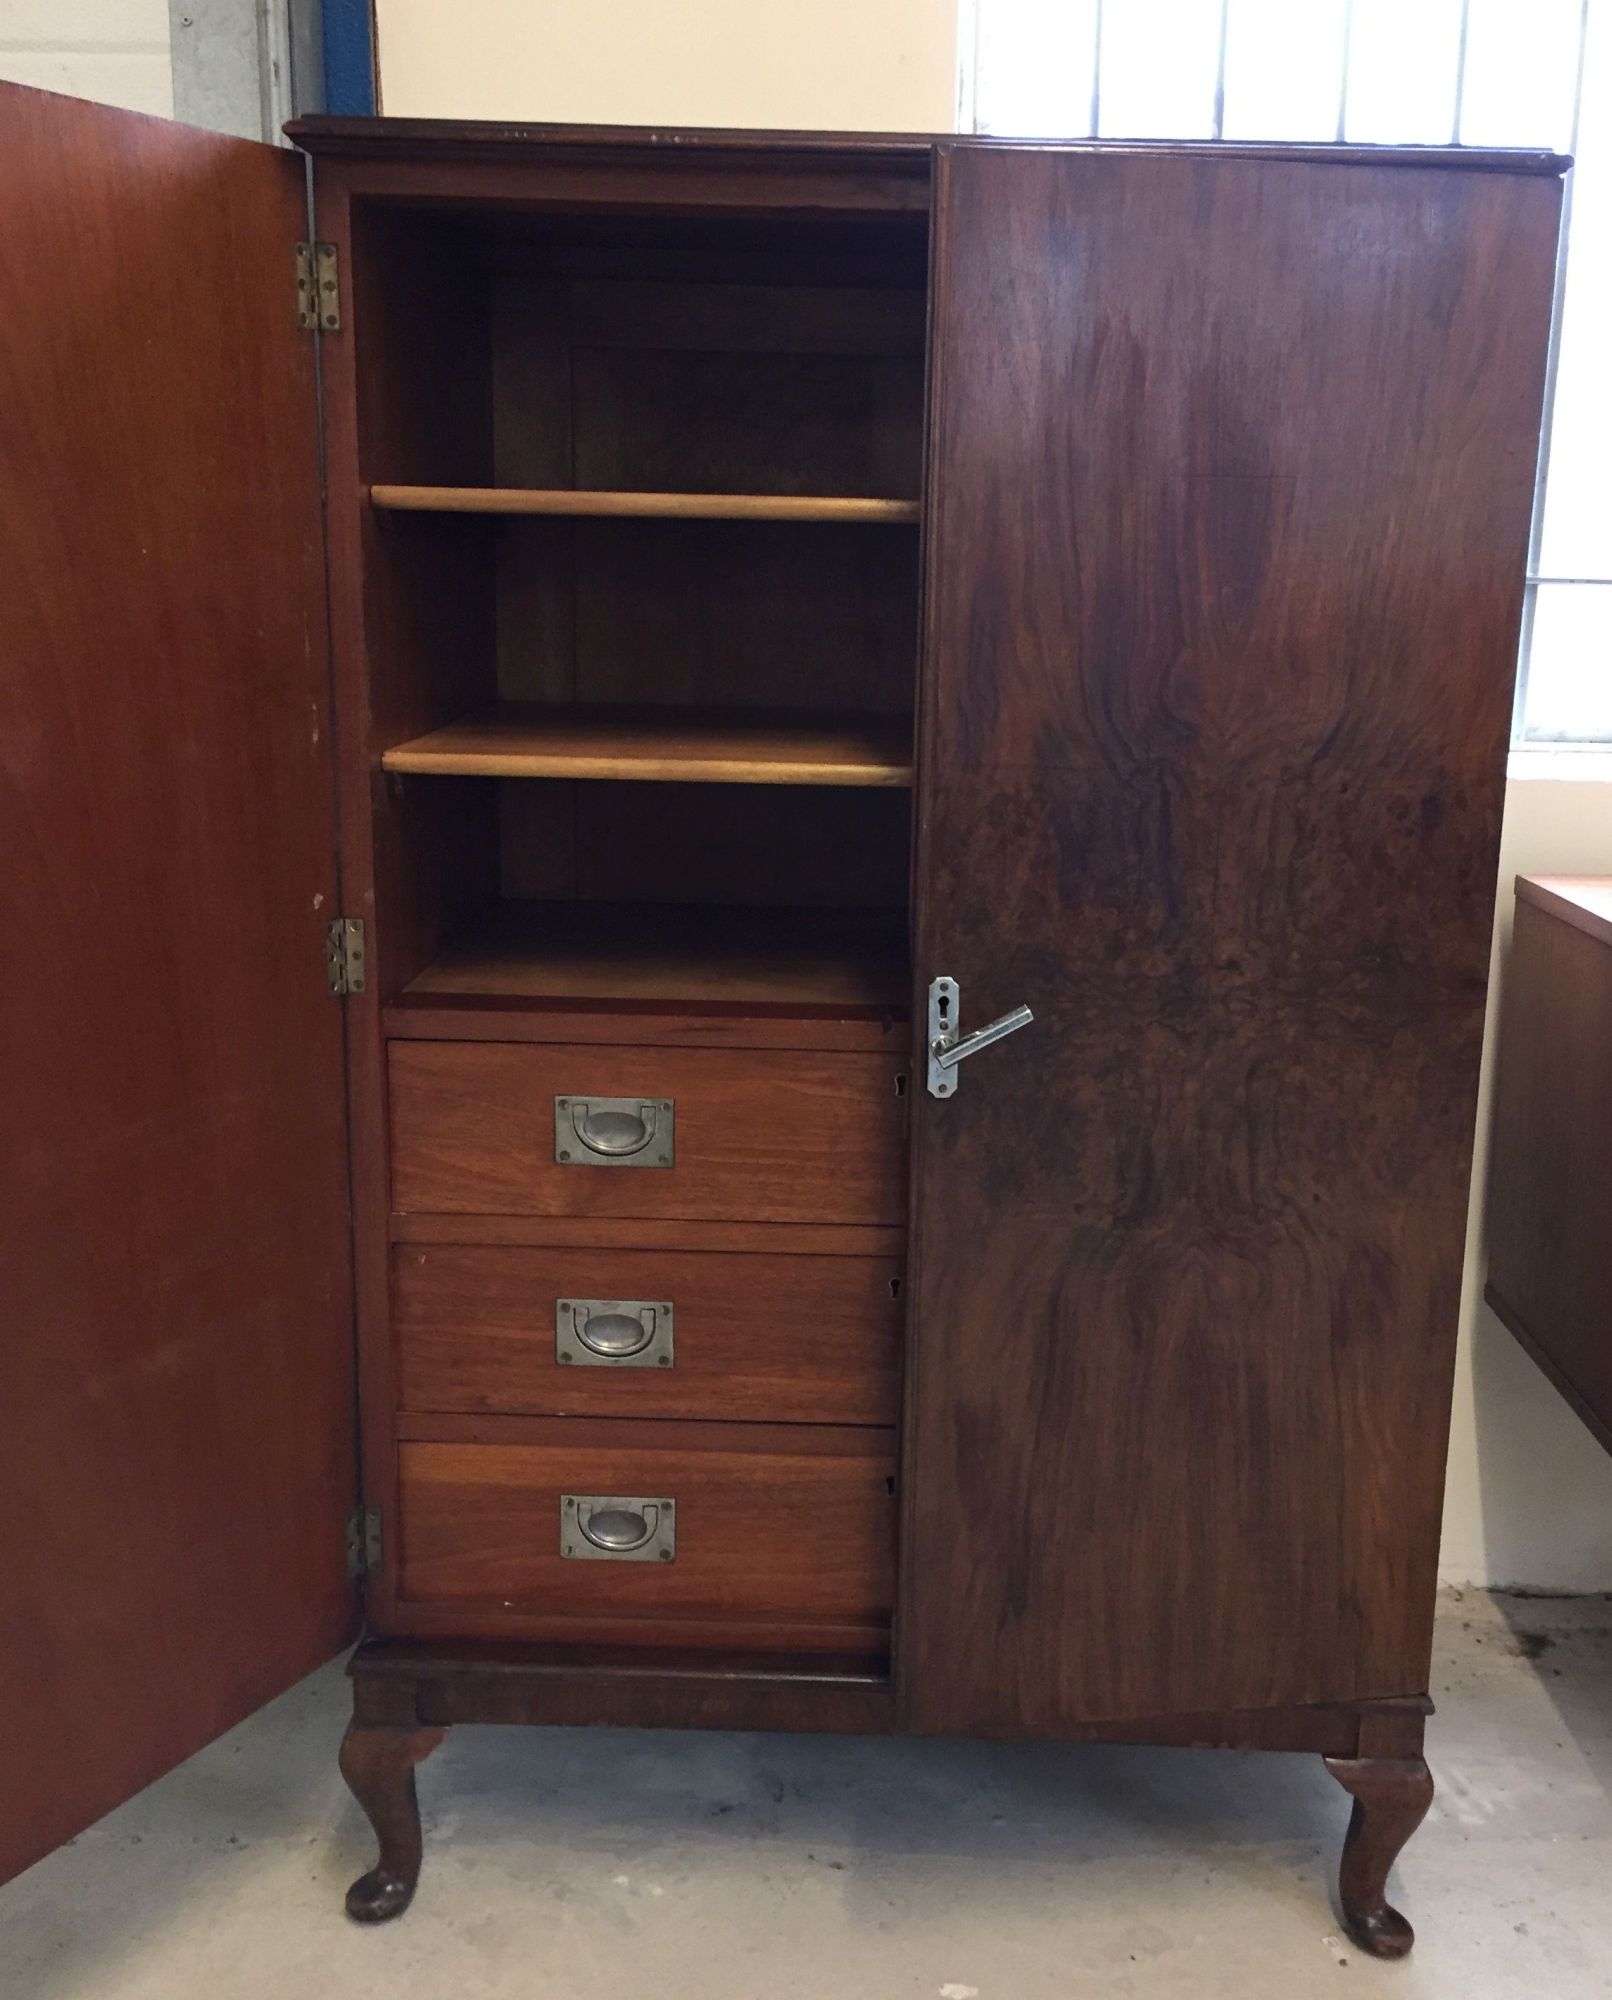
[1460,70]
[1219,130]
[1345,62]
[1553,355]
[1094,123]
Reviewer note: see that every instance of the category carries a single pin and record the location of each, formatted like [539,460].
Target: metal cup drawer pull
[614,1333]
[614,1131]
[608,1527]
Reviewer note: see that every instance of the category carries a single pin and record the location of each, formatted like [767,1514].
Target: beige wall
[113,50]
[848,65]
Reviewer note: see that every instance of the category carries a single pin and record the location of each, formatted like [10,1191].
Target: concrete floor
[604,1865]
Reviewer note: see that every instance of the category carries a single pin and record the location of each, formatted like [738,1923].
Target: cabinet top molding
[491,139]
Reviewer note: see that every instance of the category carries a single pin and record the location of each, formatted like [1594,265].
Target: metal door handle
[947,1048]
[949,1054]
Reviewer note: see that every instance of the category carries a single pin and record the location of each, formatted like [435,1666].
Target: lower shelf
[675,956]
[449,1680]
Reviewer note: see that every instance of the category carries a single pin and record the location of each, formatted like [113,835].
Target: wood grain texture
[412,600]
[759,1137]
[663,359]
[1390,1800]
[378,1765]
[433,143]
[659,746]
[729,614]
[581,504]
[176,1361]
[405,1683]
[481,1018]
[760,1339]
[634,308]
[800,846]
[1211,768]
[1549,1216]
[788,1532]
[806,1239]
[773,435]
[800,180]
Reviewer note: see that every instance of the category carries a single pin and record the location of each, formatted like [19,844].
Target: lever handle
[948,1048]
[948,1055]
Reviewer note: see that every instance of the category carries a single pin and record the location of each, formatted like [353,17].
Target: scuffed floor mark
[952,1991]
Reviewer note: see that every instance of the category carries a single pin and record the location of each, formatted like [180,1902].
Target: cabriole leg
[1391,1795]
[378,1763]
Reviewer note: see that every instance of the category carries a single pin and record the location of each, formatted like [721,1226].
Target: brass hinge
[318,288]
[364,1542]
[344,954]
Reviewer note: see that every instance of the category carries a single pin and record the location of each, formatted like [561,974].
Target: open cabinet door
[1229,485]
[175,1359]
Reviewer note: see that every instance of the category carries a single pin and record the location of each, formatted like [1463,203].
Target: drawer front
[783,1543]
[760,1339]
[756,1136]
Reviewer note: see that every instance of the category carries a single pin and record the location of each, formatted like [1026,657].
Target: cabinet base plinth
[406,1693]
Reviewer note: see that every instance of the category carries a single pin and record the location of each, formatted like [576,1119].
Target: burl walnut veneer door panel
[1230,476]
[176,1364]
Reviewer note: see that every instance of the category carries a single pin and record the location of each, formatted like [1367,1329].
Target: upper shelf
[570,501]
[668,746]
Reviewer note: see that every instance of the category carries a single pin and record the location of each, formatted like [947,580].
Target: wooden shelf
[841,962]
[663,746]
[637,506]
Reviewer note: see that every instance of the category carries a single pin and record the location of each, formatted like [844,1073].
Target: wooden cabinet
[791,602]
[1549,1221]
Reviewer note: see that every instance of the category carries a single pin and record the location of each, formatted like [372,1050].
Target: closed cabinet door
[1229,485]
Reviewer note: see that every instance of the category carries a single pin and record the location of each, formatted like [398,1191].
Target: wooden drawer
[766,1339]
[759,1135]
[784,1537]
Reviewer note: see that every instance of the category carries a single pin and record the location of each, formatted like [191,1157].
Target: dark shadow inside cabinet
[641,557]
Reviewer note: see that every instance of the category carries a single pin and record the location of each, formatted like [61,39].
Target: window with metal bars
[1384,72]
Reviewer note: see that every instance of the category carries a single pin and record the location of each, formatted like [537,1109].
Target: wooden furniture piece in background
[791,600]
[1550,1175]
